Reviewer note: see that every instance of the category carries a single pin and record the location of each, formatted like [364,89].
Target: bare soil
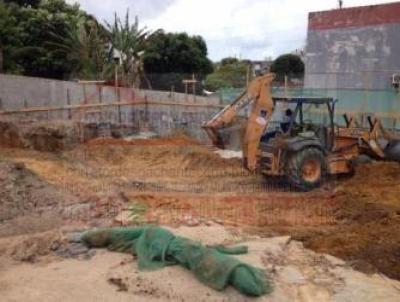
[46,136]
[172,141]
[28,203]
[181,182]
[297,274]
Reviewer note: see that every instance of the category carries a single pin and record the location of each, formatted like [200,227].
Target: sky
[247,29]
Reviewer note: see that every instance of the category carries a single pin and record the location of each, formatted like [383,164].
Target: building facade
[354,48]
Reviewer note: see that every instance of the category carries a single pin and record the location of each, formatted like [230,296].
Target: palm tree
[129,41]
[85,45]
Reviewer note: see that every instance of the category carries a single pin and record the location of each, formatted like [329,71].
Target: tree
[229,73]
[35,25]
[33,3]
[52,39]
[176,53]
[229,61]
[8,37]
[33,34]
[84,45]
[288,64]
[129,42]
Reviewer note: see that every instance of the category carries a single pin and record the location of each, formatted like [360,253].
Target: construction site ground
[178,183]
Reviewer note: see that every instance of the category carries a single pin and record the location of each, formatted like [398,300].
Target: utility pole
[340,4]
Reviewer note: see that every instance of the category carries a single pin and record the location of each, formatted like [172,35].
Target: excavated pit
[177,181]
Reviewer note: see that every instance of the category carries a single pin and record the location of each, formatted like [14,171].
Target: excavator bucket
[258,93]
[383,144]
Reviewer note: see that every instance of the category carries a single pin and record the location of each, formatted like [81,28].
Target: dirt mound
[174,162]
[165,141]
[29,248]
[152,168]
[367,211]
[54,136]
[199,159]
[24,194]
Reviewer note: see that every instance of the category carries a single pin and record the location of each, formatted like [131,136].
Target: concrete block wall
[17,92]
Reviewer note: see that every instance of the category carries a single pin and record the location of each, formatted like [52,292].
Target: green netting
[157,247]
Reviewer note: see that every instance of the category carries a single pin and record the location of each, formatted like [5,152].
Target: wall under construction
[89,103]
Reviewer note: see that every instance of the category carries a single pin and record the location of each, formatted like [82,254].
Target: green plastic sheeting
[156,248]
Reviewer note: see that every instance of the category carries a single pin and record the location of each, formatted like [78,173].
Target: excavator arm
[224,119]
[259,95]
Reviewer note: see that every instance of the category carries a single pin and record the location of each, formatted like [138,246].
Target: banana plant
[128,44]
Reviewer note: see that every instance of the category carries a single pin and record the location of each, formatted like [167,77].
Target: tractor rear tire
[306,169]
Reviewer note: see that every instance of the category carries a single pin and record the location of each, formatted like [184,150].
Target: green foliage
[34,28]
[33,3]
[176,52]
[9,33]
[288,64]
[129,42]
[84,46]
[137,213]
[229,73]
[229,61]
[53,39]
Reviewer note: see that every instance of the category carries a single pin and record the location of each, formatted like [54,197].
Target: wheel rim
[311,170]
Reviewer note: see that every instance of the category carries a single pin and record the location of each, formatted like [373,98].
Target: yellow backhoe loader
[297,137]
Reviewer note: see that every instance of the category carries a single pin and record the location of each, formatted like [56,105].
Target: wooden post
[25,106]
[119,115]
[100,88]
[194,87]
[188,82]
[286,85]
[84,94]
[119,106]
[69,103]
[194,84]
[248,76]
[116,77]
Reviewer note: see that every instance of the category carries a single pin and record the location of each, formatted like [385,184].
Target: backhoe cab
[299,142]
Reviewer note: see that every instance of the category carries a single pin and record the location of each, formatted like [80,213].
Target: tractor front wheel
[305,169]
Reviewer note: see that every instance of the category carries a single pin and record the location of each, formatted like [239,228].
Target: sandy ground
[297,274]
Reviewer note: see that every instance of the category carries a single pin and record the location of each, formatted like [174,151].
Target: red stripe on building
[355,16]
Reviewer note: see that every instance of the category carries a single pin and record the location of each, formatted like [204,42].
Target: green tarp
[156,247]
